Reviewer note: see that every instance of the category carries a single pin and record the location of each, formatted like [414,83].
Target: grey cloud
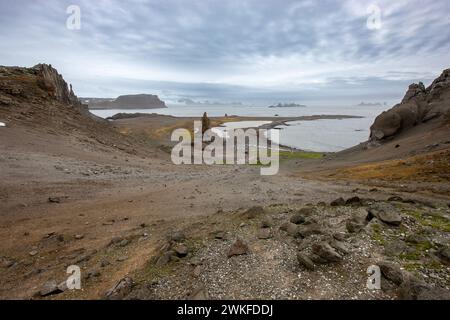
[312,49]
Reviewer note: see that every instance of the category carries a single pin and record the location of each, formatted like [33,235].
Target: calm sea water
[318,135]
[325,135]
[222,130]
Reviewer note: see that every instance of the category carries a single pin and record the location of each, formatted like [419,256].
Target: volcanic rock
[419,105]
[120,290]
[238,248]
[326,252]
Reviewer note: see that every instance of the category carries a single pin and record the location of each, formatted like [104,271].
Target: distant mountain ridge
[136,101]
[288,105]
[372,104]
[190,102]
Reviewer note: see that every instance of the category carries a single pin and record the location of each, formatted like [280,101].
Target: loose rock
[178,236]
[290,228]
[395,248]
[219,235]
[305,261]
[115,240]
[253,212]
[238,248]
[340,236]
[49,288]
[386,213]
[353,201]
[355,225]
[104,263]
[122,258]
[444,254]
[326,252]
[181,250]
[391,272]
[164,259]
[338,202]
[199,294]
[197,271]
[297,218]
[265,233]
[120,290]
[54,200]
[395,199]
[267,222]
[416,239]
[124,243]
[93,274]
[305,231]
[33,253]
[413,288]
[341,247]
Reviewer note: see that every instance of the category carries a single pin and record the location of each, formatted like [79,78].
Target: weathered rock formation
[38,98]
[53,82]
[41,81]
[419,105]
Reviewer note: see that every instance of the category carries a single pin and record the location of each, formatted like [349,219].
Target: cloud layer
[252,51]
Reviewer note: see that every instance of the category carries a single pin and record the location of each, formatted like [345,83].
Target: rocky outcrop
[41,81]
[50,80]
[137,101]
[419,105]
[40,98]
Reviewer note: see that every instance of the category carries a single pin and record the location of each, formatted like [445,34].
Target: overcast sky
[258,51]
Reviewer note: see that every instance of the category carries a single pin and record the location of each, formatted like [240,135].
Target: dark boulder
[305,261]
[238,248]
[120,290]
[326,252]
[253,212]
[392,272]
[338,202]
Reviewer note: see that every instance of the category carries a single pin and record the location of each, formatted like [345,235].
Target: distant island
[372,104]
[187,101]
[288,105]
[190,102]
[136,101]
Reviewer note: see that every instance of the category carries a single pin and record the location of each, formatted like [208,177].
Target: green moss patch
[287,155]
[435,222]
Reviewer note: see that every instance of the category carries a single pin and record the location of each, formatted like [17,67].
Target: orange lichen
[430,167]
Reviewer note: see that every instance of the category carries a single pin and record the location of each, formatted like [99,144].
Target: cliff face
[29,84]
[137,101]
[38,100]
[53,82]
[39,97]
[419,105]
